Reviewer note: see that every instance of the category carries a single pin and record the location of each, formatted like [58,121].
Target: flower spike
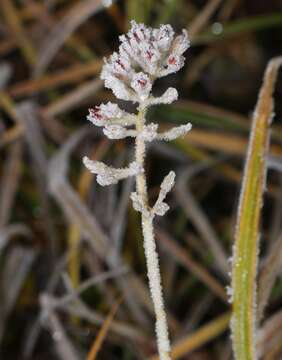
[144,55]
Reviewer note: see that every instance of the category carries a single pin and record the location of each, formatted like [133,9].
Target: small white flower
[118,87]
[100,114]
[160,207]
[175,132]
[142,84]
[169,96]
[172,64]
[115,132]
[110,113]
[164,36]
[107,175]
[180,44]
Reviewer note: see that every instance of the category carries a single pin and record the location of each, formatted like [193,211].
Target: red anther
[121,64]
[149,54]
[172,60]
[136,36]
[142,82]
[165,33]
[96,113]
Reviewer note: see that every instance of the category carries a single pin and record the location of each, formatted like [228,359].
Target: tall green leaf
[245,256]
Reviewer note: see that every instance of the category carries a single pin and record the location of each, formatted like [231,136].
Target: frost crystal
[229,292]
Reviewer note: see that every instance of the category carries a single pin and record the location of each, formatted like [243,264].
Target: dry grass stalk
[184,258]
[201,336]
[76,16]
[92,355]
[14,22]
[200,220]
[269,271]
[10,181]
[204,15]
[71,75]
[77,212]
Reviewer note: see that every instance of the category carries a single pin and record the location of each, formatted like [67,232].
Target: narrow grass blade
[139,10]
[239,27]
[268,274]
[203,17]
[245,256]
[200,115]
[62,30]
[92,355]
[14,22]
[167,11]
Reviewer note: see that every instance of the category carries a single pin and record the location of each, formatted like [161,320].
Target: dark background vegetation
[54,217]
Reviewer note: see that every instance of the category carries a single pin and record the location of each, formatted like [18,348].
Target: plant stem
[151,255]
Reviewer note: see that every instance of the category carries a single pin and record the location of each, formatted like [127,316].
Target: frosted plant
[144,55]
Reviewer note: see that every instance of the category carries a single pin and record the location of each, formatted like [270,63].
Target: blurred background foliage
[72,273]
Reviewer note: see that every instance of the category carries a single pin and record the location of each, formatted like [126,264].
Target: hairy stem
[151,255]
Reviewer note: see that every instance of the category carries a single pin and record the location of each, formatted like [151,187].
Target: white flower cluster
[144,55]
[110,114]
[116,122]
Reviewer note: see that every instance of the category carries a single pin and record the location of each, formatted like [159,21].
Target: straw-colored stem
[151,255]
